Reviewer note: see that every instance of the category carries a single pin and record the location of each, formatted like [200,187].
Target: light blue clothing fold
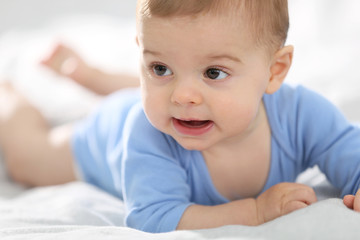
[118,150]
[97,142]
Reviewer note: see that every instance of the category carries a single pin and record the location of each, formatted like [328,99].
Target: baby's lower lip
[192,127]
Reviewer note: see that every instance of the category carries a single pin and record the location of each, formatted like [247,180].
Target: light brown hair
[267,20]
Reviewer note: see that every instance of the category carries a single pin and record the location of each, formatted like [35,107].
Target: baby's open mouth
[192,127]
[194,123]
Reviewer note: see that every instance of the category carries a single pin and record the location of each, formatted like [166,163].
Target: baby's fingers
[349,201]
[353,201]
[299,198]
[305,194]
[293,206]
[357,201]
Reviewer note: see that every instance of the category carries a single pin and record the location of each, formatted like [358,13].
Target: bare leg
[34,154]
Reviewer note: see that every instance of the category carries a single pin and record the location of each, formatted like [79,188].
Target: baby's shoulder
[295,109]
[296,99]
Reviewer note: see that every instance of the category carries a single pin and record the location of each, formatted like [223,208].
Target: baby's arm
[278,200]
[159,194]
[353,201]
[66,62]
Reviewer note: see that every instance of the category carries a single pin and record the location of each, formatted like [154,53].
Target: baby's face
[202,79]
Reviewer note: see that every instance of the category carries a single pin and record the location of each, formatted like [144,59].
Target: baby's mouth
[193,123]
[192,127]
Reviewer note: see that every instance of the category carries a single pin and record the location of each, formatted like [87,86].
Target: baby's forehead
[189,8]
[231,16]
[218,24]
[228,17]
[203,38]
[266,20]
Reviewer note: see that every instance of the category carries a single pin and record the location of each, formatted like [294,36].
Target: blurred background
[325,33]
[30,14]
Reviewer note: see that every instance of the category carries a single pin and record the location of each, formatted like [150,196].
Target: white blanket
[326,36]
[80,211]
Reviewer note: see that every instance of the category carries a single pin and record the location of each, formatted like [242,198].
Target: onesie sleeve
[155,186]
[328,140]
[97,141]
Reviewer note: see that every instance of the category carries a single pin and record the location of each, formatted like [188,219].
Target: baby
[212,138]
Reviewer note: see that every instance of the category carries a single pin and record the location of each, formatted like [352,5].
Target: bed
[326,36]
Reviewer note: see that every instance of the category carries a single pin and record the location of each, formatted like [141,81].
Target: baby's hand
[353,202]
[282,199]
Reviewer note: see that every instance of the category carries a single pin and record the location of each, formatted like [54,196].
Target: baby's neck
[241,169]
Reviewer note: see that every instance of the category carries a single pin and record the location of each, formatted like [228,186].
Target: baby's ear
[279,68]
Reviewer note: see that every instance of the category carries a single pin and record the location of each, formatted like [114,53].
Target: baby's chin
[191,144]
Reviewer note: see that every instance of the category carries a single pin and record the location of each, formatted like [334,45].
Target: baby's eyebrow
[147,51]
[225,56]
[213,57]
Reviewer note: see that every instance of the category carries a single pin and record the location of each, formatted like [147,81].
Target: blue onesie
[118,150]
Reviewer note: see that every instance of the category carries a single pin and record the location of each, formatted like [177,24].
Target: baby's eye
[161,70]
[215,74]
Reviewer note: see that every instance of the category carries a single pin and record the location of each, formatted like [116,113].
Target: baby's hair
[268,20]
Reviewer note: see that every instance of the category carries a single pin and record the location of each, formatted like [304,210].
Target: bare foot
[66,62]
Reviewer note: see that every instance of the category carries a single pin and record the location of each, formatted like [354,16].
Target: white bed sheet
[324,61]
[81,211]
